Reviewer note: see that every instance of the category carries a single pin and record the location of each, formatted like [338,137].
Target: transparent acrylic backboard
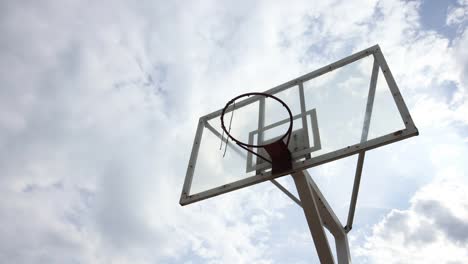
[347,107]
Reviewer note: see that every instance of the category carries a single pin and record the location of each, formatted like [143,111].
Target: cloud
[457,14]
[429,231]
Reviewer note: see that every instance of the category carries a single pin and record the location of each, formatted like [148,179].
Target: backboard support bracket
[319,214]
[364,135]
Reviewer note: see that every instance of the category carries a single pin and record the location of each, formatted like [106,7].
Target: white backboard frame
[359,148]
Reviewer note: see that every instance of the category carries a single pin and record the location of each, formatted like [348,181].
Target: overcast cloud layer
[99,104]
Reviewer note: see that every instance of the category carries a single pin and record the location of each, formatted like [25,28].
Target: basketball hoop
[278,150]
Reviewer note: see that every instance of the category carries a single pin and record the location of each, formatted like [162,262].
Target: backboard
[345,108]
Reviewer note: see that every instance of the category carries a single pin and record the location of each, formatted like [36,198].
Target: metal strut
[319,214]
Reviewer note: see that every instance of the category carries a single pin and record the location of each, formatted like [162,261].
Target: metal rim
[287,134]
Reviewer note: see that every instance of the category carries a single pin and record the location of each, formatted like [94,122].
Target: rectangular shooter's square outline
[312,113]
[410,130]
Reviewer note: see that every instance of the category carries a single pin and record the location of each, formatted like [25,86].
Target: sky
[99,103]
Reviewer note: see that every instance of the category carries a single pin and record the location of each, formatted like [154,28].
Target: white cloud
[457,14]
[433,230]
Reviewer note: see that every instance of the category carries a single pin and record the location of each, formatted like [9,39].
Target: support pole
[342,250]
[332,223]
[354,194]
[312,214]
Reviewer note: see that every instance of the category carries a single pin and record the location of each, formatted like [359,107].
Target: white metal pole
[311,212]
[332,223]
